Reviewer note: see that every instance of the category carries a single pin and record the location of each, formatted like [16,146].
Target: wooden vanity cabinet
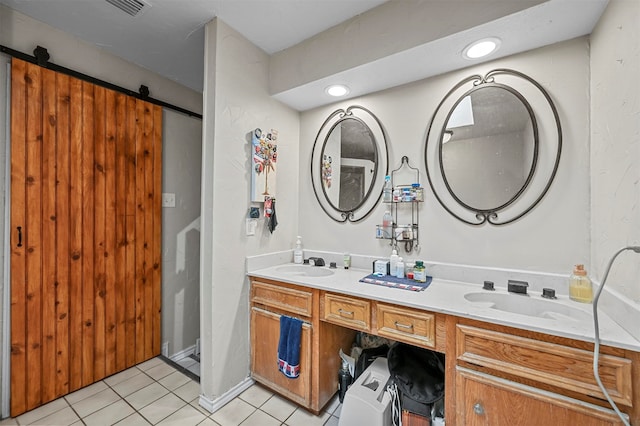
[494,375]
[320,343]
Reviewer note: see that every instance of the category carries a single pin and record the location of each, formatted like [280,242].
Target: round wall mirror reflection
[490,141]
[349,162]
[493,147]
[351,153]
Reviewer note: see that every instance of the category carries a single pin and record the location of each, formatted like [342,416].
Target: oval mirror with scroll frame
[493,147]
[348,164]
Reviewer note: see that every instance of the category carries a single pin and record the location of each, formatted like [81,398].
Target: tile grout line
[155,381]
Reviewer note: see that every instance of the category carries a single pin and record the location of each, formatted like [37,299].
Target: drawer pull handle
[343,313]
[405,326]
[478,409]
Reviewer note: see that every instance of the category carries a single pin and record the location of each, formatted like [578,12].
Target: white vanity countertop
[447,297]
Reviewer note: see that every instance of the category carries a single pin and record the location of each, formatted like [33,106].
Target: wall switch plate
[168,199]
[251,226]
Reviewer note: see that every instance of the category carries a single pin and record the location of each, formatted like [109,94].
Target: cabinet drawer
[352,313]
[484,400]
[407,325]
[287,299]
[551,363]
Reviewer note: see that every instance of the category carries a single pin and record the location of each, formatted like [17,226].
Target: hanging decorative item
[263,172]
[326,171]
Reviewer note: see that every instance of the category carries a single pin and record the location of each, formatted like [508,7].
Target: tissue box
[381,266]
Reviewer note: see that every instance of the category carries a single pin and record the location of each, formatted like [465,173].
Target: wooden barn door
[85,233]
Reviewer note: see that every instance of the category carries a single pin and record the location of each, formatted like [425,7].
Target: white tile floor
[190,364]
[154,392]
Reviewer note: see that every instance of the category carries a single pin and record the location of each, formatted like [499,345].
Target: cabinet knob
[478,409]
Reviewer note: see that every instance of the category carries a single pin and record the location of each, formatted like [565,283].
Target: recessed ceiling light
[481,48]
[337,90]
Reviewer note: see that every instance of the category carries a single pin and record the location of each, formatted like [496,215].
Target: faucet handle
[488,285]
[549,293]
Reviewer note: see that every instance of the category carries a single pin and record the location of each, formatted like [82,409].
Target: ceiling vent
[131,7]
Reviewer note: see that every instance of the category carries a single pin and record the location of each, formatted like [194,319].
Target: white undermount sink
[304,270]
[527,305]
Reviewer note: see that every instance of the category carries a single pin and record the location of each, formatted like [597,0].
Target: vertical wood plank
[76,254]
[110,232]
[140,265]
[157,230]
[62,235]
[130,231]
[33,237]
[99,232]
[49,117]
[18,252]
[88,278]
[147,164]
[121,236]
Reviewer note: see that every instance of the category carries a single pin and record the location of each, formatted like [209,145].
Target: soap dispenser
[298,254]
[580,287]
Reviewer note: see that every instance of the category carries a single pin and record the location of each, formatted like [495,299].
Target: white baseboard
[216,404]
[182,354]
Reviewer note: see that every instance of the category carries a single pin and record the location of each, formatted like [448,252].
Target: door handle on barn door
[19,236]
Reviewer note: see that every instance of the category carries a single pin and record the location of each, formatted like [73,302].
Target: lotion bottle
[580,287]
[298,254]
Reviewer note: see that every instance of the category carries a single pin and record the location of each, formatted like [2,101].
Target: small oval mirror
[349,157]
[488,142]
[349,160]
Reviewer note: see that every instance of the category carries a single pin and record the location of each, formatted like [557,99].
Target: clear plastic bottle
[393,262]
[400,268]
[298,254]
[387,225]
[580,287]
[387,190]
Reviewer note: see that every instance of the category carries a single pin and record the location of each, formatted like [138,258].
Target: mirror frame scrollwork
[370,200]
[534,185]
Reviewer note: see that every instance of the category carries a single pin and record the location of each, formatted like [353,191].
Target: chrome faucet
[316,261]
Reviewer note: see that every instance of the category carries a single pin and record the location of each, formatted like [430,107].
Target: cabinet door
[486,400]
[265,334]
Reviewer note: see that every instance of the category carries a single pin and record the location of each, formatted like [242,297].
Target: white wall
[237,101]
[182,158]
[615,144]
[22,33]
[392,27]
[553,237]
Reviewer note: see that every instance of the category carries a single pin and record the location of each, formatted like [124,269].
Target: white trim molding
[216,404]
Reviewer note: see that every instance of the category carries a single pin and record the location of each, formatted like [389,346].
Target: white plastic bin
[366,402]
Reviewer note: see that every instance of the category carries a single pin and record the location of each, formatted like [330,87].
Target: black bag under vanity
[419,376]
